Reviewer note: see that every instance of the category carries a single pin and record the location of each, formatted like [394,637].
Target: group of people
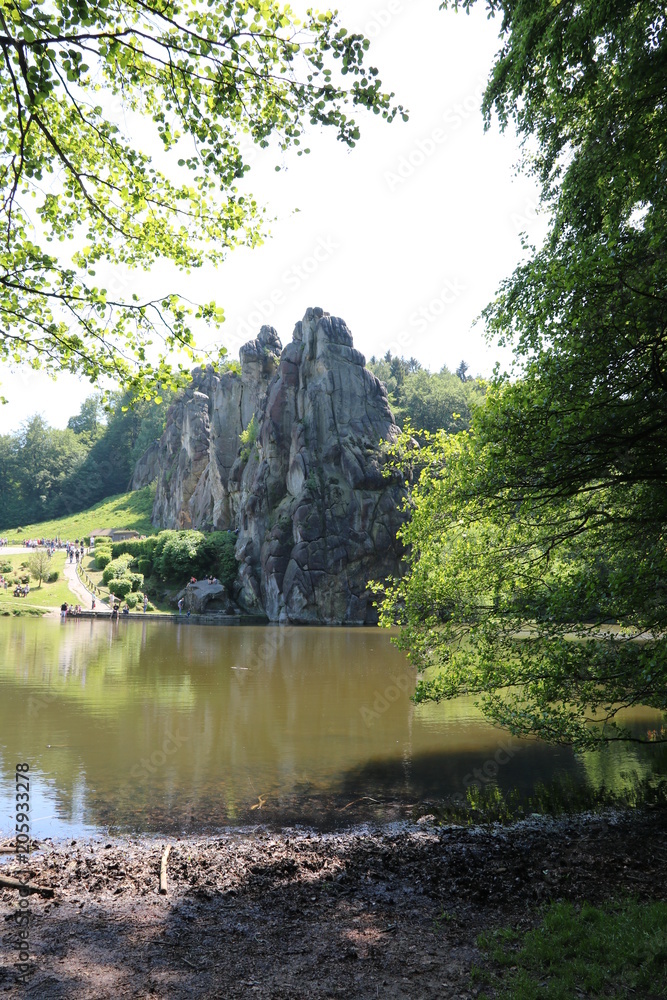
[70,609]
[20,590]
[125,610]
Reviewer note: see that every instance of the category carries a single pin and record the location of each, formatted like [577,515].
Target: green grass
[49,595]
[614,952]
[127,510]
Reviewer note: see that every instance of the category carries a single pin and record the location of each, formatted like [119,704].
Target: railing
[91,587]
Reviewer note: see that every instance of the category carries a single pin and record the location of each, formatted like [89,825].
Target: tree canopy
[206,77]
[539,571]
[426,400]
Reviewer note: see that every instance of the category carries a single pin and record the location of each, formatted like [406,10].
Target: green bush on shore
[120,587]
[177,555]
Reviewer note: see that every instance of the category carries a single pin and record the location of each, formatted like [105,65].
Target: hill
[126,510]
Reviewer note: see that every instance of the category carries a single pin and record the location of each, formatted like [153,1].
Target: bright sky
[407,237]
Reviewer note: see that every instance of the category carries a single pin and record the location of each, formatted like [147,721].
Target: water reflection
[162,727]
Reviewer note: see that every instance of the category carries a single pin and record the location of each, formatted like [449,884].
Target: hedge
[121,588]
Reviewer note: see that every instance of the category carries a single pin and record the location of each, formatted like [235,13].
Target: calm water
[144,726]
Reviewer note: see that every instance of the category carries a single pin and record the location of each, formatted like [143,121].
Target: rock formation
[304,489]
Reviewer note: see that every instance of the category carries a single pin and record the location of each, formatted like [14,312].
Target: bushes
[131,600]
[53,576]
[136,579]
[120,587]
[102,558]
[177,555]
[6,567]
[115,569]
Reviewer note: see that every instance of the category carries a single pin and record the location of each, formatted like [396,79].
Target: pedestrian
[145,604]
[93,603]
[180,606]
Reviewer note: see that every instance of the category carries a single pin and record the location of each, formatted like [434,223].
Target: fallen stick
[14,883]
[163,870]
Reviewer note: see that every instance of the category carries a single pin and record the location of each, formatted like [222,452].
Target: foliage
[248,438]
[136,579]
[53,576]
[611,951]
[547,522]
[203,77]
[39,564]
[48,473]
[102,557]
[175,555]
[425,400]
[117,568]
[120,586]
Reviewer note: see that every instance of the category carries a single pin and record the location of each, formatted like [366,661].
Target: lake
[170,727]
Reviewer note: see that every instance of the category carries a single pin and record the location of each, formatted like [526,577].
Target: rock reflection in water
[154,726]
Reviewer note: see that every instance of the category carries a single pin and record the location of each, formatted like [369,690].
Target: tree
[38,564]
[205,75]
[90,420]
[427,400]
[538,569]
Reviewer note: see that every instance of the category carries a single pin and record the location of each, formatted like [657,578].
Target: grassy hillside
[127,510]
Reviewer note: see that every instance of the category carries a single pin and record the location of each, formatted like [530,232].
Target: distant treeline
[47,473]
[428,401]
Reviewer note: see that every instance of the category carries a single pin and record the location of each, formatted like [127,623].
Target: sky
[406,237]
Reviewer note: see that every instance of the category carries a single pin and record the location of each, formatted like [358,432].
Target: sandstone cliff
[314,516]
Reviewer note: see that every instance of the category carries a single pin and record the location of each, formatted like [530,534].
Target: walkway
[83,597]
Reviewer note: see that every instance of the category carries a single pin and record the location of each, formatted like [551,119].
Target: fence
[91,587]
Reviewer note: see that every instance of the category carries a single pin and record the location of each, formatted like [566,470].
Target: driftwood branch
[14,883]
[163,870]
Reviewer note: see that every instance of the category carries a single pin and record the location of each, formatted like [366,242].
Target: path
[84,598]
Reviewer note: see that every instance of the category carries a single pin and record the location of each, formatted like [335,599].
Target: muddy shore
[367,913]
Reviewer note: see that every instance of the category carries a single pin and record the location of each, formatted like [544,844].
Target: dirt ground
[390,913]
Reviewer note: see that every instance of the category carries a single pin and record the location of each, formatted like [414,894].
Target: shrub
[102,558]
[6,567]
[120,587]
[177,555]
[248,437]
[131,600]
[216,556]
[145,566]
[25,578]
[101,541]
[53,576]
[136,579]
[115,569]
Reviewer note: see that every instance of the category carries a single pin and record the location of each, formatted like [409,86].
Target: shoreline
[293,915]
